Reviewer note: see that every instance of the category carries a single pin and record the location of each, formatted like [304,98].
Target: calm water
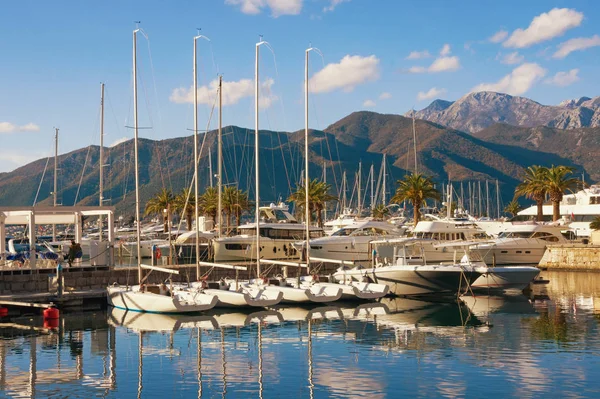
[543,345]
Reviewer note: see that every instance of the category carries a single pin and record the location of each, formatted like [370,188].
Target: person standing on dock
[74,252]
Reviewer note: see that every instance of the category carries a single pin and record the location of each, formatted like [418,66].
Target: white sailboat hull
[181,301]
[316,293]
[248,297]
[413,280]
[505,278]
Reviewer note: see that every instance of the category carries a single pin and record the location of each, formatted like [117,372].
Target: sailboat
[155,298]
[228,295]
[352,290]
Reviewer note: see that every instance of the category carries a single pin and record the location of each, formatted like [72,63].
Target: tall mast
[415,141]
[101,184]
[325,182]
[55,178]
[498,198]
[256,159]
[372,174]
[449,202]
[135,149]
[487,198]
[479,197]
[359,183]
[210,172]
[383,188]
[306,177]
[343,192]
[220,157]
[196,193]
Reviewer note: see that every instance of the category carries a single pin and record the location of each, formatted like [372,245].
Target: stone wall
[572,257]
[82,278]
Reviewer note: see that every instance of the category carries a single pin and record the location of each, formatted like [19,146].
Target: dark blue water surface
[545,344]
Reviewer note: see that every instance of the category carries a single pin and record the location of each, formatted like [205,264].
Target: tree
[533,187]
[557,183]
[186,206]
[595,224]
[157,205]
[513,207]
[208,203]
[235,202]
[416,188]
[318,195]
[380,212]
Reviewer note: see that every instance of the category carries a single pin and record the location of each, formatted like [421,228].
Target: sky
[383,56]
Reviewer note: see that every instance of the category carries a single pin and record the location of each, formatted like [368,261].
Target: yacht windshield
[515,234]
[343,232]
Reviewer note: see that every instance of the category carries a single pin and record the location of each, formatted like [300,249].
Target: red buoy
[3,311]
[51,313]
[51,323]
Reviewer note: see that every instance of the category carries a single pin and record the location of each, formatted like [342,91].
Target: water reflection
[543,344]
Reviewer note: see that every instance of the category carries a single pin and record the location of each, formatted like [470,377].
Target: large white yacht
[578,209]
[521,243]
[352,243]
[278,231]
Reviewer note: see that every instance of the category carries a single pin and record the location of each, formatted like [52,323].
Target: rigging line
[82,174]
[41,181]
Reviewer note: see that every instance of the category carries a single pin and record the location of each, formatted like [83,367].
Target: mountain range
[497,151]
[477,111]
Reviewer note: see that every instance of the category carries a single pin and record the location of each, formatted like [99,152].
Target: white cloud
[429,94]
[19,158]
[278,7]
[498,36]
[7,127]
[545,27]
[512,58]
[445,50]
[580,43]
[233,92]
[333,4]
[563,79]
[444,64]
[416,55]
[441,64]
[385,96]
[519,81]
[351,71]
[120,141]
[369,104]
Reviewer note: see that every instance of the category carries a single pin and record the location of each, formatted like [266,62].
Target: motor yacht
[521,243]
[278,231]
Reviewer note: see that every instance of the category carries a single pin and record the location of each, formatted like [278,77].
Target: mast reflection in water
[546,344]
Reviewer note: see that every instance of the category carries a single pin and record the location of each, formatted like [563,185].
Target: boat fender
[158,253]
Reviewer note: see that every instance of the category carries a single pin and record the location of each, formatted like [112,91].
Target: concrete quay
[571,257]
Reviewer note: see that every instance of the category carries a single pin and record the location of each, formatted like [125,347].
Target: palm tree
[595,224]
[513,207]
[208,203]
[235,202]
[318,195]
[557,183]
[159,203]
[534,187]
[185,205]
[416,188]
[380,211]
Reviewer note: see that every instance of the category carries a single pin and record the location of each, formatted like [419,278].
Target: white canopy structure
[50,215]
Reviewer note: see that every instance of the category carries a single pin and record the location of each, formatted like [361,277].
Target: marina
[481,346]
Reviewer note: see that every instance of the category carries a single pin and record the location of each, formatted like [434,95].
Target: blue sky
[55,54]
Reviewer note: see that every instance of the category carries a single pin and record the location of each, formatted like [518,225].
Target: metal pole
[55,178]
[383,191]
[135,145]
[196,193]
[101,183]
[256,160]
[220,157]
[306,177]
[325,182]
